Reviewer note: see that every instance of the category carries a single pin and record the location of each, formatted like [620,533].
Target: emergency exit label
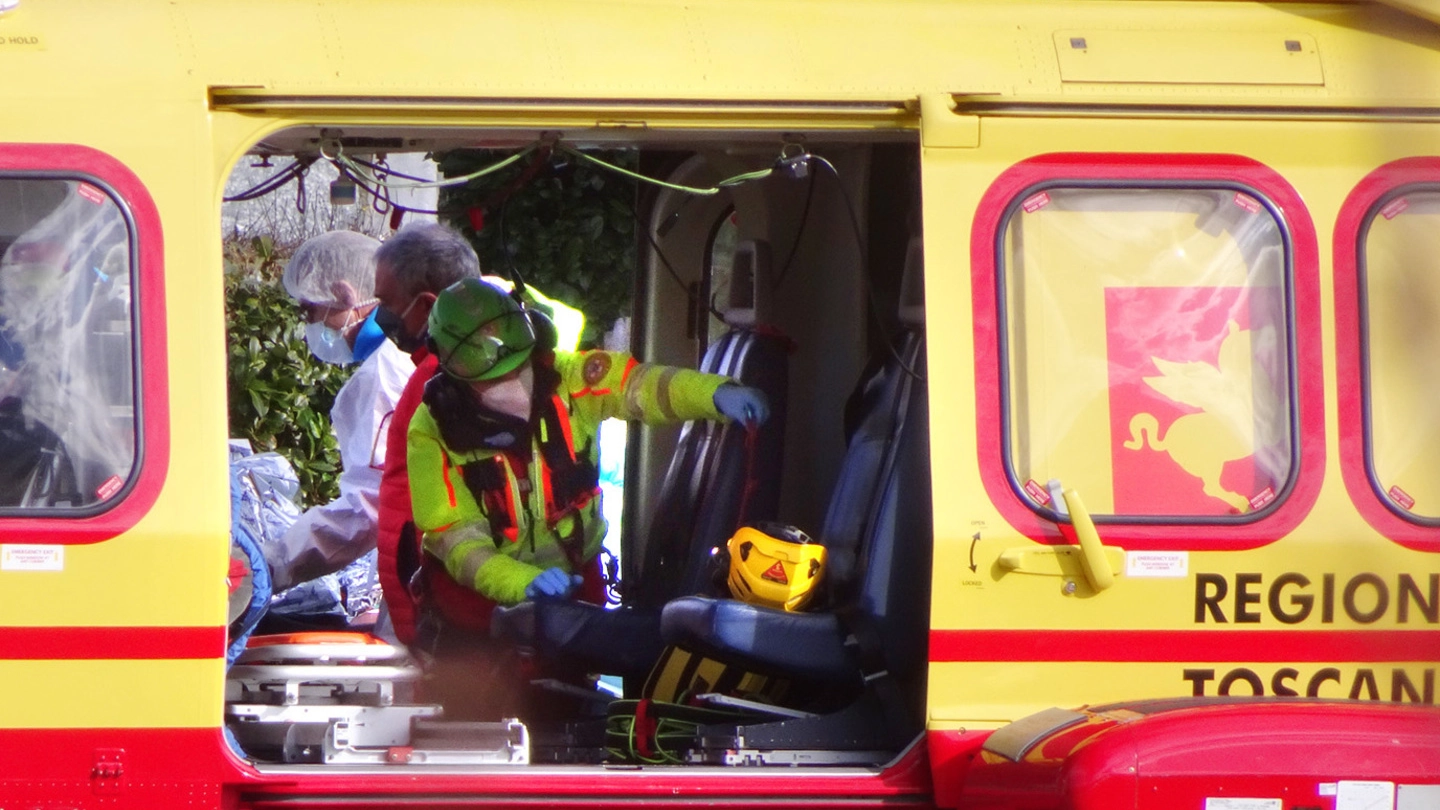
[32,558]
[1157,563]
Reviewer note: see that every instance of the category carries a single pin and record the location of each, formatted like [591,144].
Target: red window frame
[152,438]
[1165,171]
[1414,532]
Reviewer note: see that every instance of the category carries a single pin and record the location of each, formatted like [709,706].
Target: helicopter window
[1400,293]
[67,407]
[721,261]
[1147,350]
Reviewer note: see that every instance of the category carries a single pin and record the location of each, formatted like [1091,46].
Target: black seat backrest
[705,488]
[879,529]
[874,417]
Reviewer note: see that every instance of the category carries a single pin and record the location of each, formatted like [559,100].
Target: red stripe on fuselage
[1171,646]
[102,643]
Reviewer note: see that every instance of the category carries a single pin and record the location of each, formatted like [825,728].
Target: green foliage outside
[569,229]
[280,395]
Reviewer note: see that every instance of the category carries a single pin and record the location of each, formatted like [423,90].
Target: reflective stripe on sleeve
[662,393]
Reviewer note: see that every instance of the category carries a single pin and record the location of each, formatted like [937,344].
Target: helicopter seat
[867,652]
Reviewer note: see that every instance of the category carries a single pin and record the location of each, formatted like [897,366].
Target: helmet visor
[492,349]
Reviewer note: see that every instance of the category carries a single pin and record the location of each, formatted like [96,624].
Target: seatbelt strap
[864,638]
[752,433]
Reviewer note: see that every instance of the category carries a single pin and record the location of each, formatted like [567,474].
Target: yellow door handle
[1097,562]
[1092,552]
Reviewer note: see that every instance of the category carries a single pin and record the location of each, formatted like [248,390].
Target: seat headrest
[912,285]
[750,282]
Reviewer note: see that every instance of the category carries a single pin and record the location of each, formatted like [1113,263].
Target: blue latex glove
[555,583]
[742,403]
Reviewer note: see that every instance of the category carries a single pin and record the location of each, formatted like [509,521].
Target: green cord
[681,729]
[449,181]
[758,174]
[636,754]
[364,173]
[665,730]
[704,192]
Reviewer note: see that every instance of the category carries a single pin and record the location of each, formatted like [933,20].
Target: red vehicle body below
[1196,754]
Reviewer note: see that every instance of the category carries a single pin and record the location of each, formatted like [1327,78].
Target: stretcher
[349,699]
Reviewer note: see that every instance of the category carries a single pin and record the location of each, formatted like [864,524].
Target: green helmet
[480,332]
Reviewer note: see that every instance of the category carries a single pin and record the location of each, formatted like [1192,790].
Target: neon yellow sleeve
[471,559]
[615,385]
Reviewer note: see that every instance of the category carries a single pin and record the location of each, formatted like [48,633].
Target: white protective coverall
[331,536]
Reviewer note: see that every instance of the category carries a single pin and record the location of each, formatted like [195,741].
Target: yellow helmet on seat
[774,565]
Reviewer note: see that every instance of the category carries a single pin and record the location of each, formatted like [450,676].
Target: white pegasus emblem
[1201,443]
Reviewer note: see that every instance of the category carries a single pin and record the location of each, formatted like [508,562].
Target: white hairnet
[329,258]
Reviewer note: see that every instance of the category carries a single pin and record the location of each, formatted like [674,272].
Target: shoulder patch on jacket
[597,365]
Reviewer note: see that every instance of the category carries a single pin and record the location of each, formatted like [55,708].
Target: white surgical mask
[511,396]
[328,344]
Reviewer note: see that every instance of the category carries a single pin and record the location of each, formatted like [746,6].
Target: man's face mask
[327,343]
[510,396]
[394,328]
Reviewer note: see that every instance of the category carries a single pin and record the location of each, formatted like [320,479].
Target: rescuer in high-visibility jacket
[412,267]
[502,452]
